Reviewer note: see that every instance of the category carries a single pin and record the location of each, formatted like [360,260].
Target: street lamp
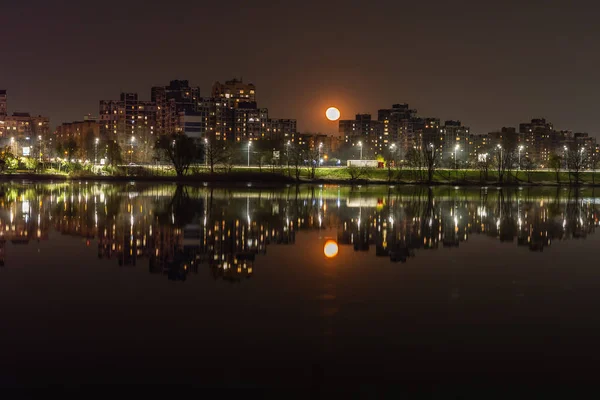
[206,152]
[132,142]
[96,150]
[566,158]
[520,149]
[249,144]
[360,145]
[287,154]
[40,146]
[320,147]
[500,163]
[455,150]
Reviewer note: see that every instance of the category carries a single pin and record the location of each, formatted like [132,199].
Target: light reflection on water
[115,282]
[180,228]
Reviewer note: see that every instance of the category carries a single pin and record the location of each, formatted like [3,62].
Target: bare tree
[504,162]
[528,166]
[555,162]
[415,162]
[577,160]
[312,155]
[296,158]
[217,152]
[430,158]
[483,164]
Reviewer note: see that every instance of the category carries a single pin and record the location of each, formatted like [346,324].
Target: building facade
[171,101]
[131,123]
[86,136]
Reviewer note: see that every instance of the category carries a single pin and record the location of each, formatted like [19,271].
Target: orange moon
[330,249]
[332,114]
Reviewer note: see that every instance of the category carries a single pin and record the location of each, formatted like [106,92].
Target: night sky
[489,64]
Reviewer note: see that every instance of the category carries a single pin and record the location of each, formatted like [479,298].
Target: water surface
[232,288]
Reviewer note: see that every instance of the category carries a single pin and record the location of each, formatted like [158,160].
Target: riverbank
[341,176]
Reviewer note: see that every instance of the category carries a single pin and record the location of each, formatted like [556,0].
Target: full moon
[330,249]
[332,113]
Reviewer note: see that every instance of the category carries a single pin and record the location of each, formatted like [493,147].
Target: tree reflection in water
[181,229]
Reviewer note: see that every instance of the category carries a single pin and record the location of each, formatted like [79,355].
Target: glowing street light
[205,152]
[287,154]
[520,149]
[96,141]
[132,142]
[566,157]
[455,150]
[320,148]
[360,145]
[249,144]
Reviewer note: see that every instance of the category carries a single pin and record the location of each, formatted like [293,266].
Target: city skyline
[489,66]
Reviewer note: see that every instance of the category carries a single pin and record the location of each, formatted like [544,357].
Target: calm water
[231,287]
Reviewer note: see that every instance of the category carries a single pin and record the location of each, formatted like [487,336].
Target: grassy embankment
[325,174]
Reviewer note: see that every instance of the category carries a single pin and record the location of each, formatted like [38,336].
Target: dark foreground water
[438,289]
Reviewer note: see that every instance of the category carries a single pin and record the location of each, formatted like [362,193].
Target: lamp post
[320,149]
[287,154]
[360,145]
[392,149]
[566,157]
[520,149]
[249,144]
[96,151]
[132,142]
[500,161]
[455,150]
[206,152]
[40,146]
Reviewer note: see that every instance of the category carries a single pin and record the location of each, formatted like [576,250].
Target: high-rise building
[22,131]
[132,124]
[540,140]
[455,141]
[227,97]
[84,133]
[232,114]
[398,127]
[360,129]
[3,105]
[171,101]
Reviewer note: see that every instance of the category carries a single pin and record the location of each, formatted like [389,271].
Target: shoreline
[269,178]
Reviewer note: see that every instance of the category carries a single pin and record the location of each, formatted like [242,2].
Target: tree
[430,158]
[181,150]
[504,162]
[67,149]
[594,162]
[483,164]
[528,166]
[391,159]
[357,172]
[8,161]
[577,160]
[296,155]
[312,155]
[217,152]
[415,161]
[113,153]
[555,163]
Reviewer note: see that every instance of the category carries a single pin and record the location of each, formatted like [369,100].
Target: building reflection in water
[180,230]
